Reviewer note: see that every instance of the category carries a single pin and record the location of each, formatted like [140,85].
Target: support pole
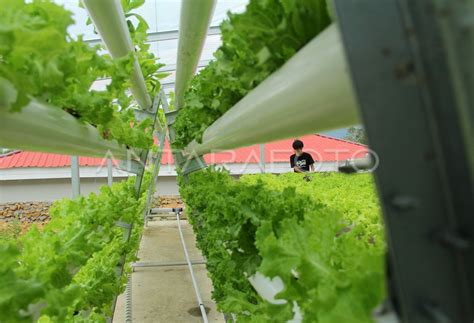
[193,26]
[311,92]
[154,177]
[186,165]
[262,158]
[110,178]
[138,186]
[144,153]
[75,179]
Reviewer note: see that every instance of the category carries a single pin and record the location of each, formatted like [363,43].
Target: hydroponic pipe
[109,21]
[193,25]
[39,127]
[312,92]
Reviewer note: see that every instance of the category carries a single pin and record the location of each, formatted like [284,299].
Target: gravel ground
[25,212]
[17,218]
[168,201]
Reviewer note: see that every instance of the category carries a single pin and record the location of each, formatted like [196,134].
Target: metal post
[138,183]
[144,153]
[156,171]
[411,65]
[192,162]
[110,178]
[262,158]
[141,172]
[75,179]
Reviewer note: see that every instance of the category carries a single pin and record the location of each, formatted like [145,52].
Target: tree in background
[356,134]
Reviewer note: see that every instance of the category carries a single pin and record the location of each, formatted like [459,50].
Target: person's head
[298,146]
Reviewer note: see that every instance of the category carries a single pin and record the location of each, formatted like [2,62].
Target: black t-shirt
[303,161]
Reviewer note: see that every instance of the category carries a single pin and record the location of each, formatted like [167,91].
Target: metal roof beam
[157,36]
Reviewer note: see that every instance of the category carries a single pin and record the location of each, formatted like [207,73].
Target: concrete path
[166,294]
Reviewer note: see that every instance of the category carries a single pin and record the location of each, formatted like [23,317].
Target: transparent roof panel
[223,6]
[167,50]
[161,15]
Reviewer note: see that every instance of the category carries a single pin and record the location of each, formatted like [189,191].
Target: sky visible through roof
[161,15]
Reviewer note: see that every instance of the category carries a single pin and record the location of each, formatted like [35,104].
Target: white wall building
[34,176]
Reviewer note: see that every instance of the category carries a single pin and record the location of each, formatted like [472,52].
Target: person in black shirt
[300,161]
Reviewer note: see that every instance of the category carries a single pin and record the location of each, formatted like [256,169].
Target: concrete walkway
[166,294]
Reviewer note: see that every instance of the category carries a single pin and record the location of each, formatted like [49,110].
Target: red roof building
[36,176]
[322,148]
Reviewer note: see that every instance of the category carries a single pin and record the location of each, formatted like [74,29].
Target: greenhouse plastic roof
[161,16]
[323,148]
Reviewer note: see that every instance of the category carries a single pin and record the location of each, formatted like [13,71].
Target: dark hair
[298,144]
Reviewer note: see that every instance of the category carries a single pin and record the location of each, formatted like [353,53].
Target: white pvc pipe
[39,127]
[312,92]
[194,23]
[268,289]
[109,21]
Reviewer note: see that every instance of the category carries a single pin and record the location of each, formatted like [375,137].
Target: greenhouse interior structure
[237,161]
